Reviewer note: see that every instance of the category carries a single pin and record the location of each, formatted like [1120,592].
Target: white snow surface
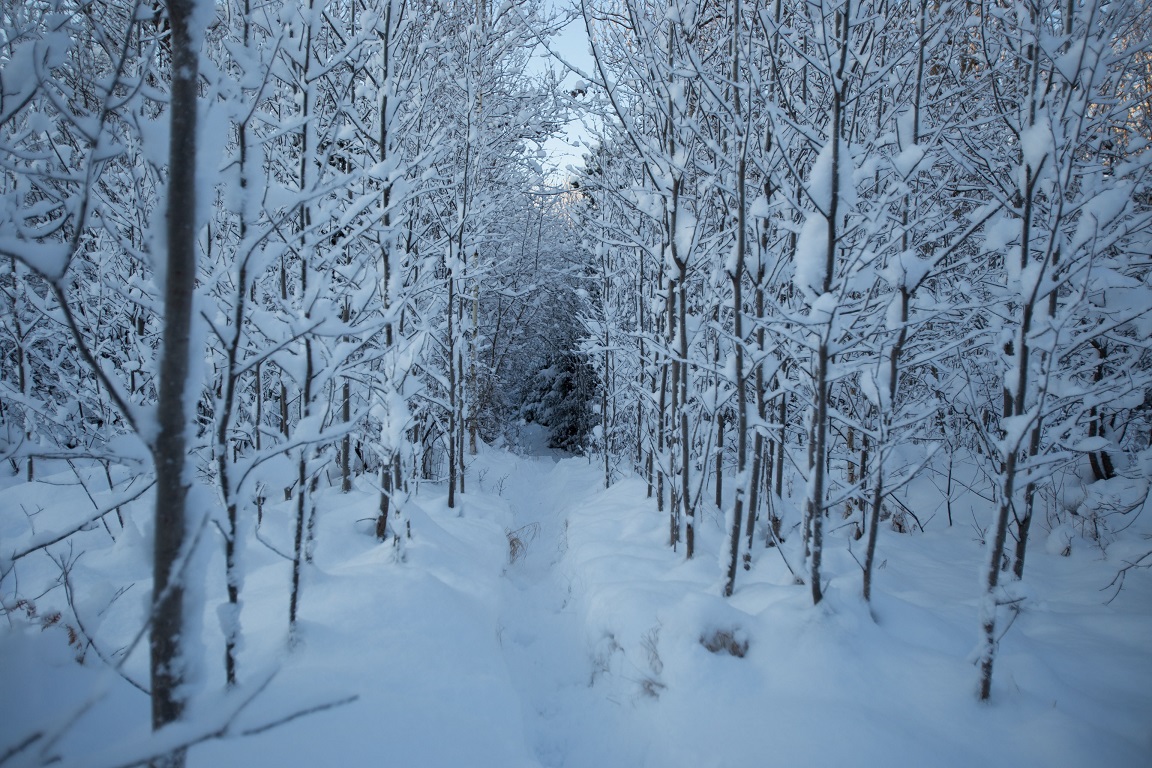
[586,651]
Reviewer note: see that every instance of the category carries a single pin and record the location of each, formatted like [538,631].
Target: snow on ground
[546,623]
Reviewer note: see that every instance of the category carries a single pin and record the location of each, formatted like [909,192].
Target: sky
[572,44]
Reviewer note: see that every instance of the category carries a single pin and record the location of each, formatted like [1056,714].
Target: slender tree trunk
[21,366]
[346,417]
[301,551]
[737,277]
[762,415]
[258,414]
[390,481]
[685,453]
[452,394]
[232,574]
[604,414]
[465,413]
[387,30]
[781,436]
[302,536]
[817,467]
[168,642]
[824,355]
[1015,394]
[662,422]
[1100,461]
[989,604]
[719,462]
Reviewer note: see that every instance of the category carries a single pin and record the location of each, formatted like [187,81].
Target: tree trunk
[737,276]
[168,643]
[452,394]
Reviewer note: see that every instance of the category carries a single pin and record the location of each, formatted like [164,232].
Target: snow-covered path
[540,633]
[567,722]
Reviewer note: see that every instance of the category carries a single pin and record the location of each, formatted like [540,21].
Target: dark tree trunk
[168,643]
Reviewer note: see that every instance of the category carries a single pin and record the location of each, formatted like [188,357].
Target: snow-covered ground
[546,623]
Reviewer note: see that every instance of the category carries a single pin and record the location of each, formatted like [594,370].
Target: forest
[820,281]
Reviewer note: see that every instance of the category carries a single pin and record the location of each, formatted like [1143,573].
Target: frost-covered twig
[226,730]
[258,729]
[89,639]
[1118,579]
[270,545]
[49,538]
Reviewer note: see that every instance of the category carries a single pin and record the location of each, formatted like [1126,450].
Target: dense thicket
[826,242]
[842,242]
[373,247]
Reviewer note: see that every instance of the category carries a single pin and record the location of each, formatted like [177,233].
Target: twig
[88,493]
[89,639]
[226,730]
[19,747]
[1014,603]
[93,518]
[1121,574]
[909,511]
[297,715]
[269,545]
[780,549]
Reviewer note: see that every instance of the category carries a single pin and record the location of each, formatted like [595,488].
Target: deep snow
[587,649]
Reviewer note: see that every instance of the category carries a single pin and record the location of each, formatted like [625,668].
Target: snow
[47,258]
[811,261]
[685,236]
[1101,210]
[591,642]
[1035,146]
[819,184]
[908,161]
[1000,233]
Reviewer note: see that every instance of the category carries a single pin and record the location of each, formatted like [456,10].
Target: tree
[1070,210]
[175,537]
[51,239]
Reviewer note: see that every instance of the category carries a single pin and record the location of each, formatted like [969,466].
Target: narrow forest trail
[542,631]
